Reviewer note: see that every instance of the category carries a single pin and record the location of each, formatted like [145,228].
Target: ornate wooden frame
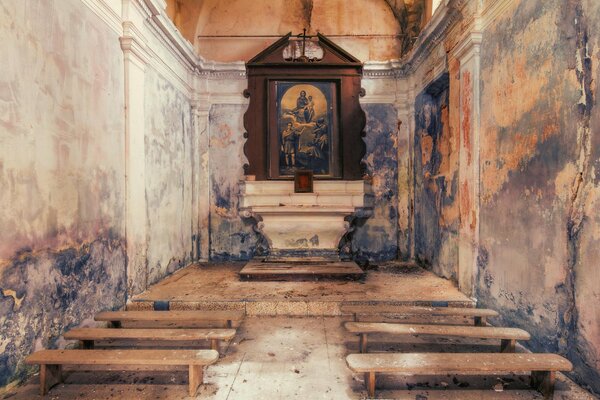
[336,66]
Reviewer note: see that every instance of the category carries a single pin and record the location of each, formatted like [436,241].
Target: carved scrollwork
[246,93]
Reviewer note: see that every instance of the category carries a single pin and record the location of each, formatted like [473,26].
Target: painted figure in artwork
[309,110]
[289,140]
[301,104]
[304,122]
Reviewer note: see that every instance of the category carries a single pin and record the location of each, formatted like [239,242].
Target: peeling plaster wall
[539,220]
[168,139]
[376,239]
[436,182]
[62,254]
[231,237]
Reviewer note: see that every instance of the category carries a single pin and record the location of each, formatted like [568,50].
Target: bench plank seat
[507,336]
[542,366]
[50,362]
[88,335]
[478,314]
[172,319]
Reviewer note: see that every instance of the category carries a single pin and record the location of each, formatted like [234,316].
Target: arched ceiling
[397,21]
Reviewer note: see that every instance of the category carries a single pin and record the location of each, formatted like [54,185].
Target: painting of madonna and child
[305,122]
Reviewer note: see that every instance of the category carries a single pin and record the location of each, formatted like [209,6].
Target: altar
[304,118]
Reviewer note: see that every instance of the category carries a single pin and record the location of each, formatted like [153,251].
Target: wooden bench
[543,367]
[172,319]
[51,362]
[507,336]
[87,336]
[479,315]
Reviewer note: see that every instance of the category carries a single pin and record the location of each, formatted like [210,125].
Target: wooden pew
[479,315]
[51,362]
[543,367]
[172,319]
[87,336]
[507,336]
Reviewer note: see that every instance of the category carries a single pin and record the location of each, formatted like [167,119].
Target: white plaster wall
[61,126]
[168,138]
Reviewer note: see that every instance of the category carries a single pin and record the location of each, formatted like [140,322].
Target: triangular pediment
[332,53]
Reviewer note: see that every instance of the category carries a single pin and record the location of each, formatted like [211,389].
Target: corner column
[201,179]
[467,52]
[135,57]
[405,109]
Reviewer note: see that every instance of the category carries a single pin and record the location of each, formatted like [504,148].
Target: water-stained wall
[231,237]
[62,254]
[435,180]
[540,136]
[376,239]
[168,147]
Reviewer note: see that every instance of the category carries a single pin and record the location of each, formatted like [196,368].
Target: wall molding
[493,11]
[107,13]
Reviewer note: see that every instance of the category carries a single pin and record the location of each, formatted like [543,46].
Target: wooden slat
[169,316]
[482,332]
[416,310]
[149,334]
[456,363]
[123,357]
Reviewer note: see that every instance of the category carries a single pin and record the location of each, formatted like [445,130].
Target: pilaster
[135,55]
[467,52]
[201,174]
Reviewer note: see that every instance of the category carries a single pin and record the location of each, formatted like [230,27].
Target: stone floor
[294,358]
[218,287]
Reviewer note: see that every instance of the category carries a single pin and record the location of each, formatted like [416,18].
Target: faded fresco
[305,123]
[231,237]
[376,239]
[538,260]
[436,219]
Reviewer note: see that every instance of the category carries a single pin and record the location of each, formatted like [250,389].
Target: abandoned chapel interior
[300,199]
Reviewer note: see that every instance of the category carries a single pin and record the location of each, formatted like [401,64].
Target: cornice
[444,18]
[106,13]
[493,11]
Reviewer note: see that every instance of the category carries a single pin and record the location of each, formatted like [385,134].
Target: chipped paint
[436,181]
[231,237]
[376,238]
[62,251]
[538,248]
[168,138]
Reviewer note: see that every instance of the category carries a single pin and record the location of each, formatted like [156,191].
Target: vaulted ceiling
[372,30]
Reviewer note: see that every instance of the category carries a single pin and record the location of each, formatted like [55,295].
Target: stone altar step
[297,270]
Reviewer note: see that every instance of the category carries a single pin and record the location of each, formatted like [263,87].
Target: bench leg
[50,375]
[507,345]
[229,324]
[543,381]
[362,343]
[371,384]
[214,344]
[196,378]
[86,344]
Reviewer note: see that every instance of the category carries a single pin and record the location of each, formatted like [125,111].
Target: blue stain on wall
[376,239]
[435,190]
[231,237]
[44,293]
